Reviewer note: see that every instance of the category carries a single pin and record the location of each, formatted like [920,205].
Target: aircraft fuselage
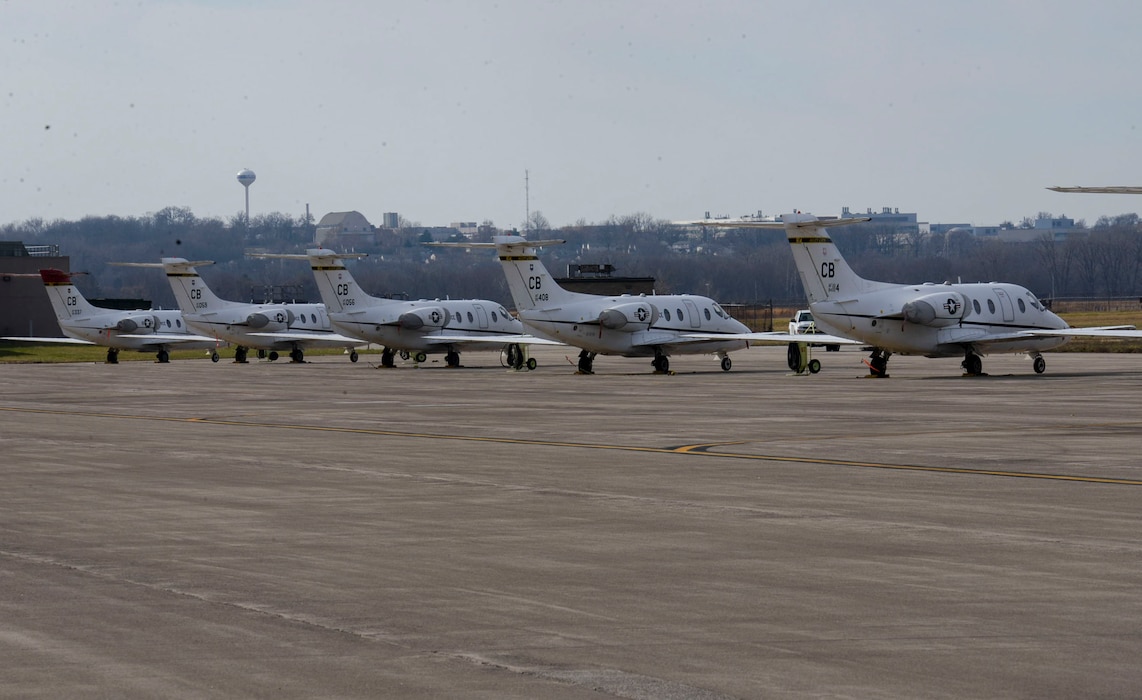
[941,320]
[672,316]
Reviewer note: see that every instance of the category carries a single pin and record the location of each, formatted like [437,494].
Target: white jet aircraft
[933,320]
[151,330]
[631,326]
[414,328]
[267,328]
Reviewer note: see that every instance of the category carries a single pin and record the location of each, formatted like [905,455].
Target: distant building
[24,306]
[390,219]
[467,229]
[344,229]
[905,223]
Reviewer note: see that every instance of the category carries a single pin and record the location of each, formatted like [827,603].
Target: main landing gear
[661,363]
[726,363]
[240,354]
[297,355]
[1038,363]
[388,357]
[112,356]
[972,364]
[586,362]
[452,358]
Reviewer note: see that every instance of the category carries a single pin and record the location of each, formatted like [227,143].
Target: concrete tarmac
[335,530]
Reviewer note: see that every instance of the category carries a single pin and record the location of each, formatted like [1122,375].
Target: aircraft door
[692,312]
[1005,304]
[323,317]
[481,315]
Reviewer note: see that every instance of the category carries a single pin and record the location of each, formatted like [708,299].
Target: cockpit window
[1035,303]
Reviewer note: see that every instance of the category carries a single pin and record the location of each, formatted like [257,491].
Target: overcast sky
[960,111]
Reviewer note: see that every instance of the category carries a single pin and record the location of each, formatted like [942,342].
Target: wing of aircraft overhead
[1099,190]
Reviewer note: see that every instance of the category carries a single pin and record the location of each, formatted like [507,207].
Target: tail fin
[339,291]
[824,272]
[66,299]
[531,285]
[192,293]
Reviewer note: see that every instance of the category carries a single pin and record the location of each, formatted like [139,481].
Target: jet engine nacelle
[630,317]
[275,318]
[427,317]
[143,323]
[936,310]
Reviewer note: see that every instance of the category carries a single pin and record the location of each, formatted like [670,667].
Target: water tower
[247,177]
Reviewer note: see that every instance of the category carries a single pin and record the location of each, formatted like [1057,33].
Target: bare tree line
[735,266]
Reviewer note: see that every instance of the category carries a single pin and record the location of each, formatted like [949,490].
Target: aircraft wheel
[793,357]
[215,357]
[452,359]
[240,355]
[814,366]
[112,356]
[262,355]
[727,363]
[420,357]
[387,357]
[296,355]
[404,354]
[1039,365]
[531,363]
[973,364]
[164,356]
[273,355]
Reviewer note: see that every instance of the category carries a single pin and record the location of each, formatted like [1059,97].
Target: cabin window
[1022,306]
[666,314]
[471,319]
[707,314]
[975,305]
[494,319]
[679,314]
[178,322]
[168,323]
[991,306]
[458,318]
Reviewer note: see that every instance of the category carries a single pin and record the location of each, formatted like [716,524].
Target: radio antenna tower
[526,203]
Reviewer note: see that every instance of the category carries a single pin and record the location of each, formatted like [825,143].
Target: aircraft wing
[1099,190]
[1121,332]
[504,339]
[173,338]
[333,340]
[66,341]
[777,337]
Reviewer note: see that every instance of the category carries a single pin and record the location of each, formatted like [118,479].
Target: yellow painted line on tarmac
[698,449]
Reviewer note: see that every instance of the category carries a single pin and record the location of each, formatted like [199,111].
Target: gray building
[24,306]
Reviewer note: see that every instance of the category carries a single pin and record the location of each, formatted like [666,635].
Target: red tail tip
[54,276]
